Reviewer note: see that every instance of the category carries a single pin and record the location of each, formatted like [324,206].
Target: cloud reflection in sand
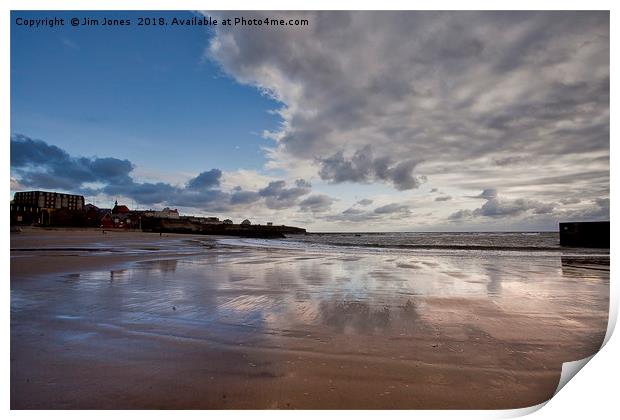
[369,294]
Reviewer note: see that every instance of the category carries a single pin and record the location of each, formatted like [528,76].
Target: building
[46,208]
[120,209]
[120,217]
[48,200]
[107,221]
[166,213]
[92,215]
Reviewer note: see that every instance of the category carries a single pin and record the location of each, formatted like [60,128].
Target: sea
[537,243]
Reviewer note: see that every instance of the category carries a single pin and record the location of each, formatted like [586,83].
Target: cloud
[516,99]
[244,197]
[379,214]
[365,202]
[443,198]
[15,185]
[392,208]
[594,210]
[48,166]
[47,180]
[460,215]
[498,207]
[364,167]
[302,183]
[316,203]
[28,152]
[36,164]
[278,196]
[602,202]
[353,211]
[503,207]
[487,194]
[353,215]
[145,192]
[205,180]
[509,160]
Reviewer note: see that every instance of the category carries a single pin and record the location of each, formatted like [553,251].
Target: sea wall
[585,234]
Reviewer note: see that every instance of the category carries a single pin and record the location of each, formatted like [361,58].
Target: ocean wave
[373,247]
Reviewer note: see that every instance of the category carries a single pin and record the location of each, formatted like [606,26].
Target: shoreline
[68,248]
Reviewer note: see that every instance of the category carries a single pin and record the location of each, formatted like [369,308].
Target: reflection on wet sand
[255,329]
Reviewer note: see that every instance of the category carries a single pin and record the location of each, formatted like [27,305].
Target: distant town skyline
[359,121]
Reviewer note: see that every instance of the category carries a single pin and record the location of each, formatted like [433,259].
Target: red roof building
[119,209]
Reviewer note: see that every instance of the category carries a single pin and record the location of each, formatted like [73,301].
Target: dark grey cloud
[392,208]
[353,211]
[26,152]
[460,215]
[38,163]
[602,202]
[244,197]
[316,203]
[498,207]
[278,196]
[302,183]
[46,180]
[109,169]
[353,215]
[364,167]
[379,214]
[502,207]
[205,180]
[144,192]
[443,198]
[273,189]
[365,202]
[509,160]
[486,194]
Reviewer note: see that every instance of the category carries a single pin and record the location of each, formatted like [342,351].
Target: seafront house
[121,217]
[166,213]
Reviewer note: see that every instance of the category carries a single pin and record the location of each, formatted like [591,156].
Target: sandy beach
[132,320]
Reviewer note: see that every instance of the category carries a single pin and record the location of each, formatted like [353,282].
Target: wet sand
[135,320]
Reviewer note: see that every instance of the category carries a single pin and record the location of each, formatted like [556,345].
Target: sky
[358,121]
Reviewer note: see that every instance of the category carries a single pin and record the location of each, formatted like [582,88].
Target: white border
[591,394]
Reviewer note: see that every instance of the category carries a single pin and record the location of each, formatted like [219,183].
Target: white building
[166,213]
